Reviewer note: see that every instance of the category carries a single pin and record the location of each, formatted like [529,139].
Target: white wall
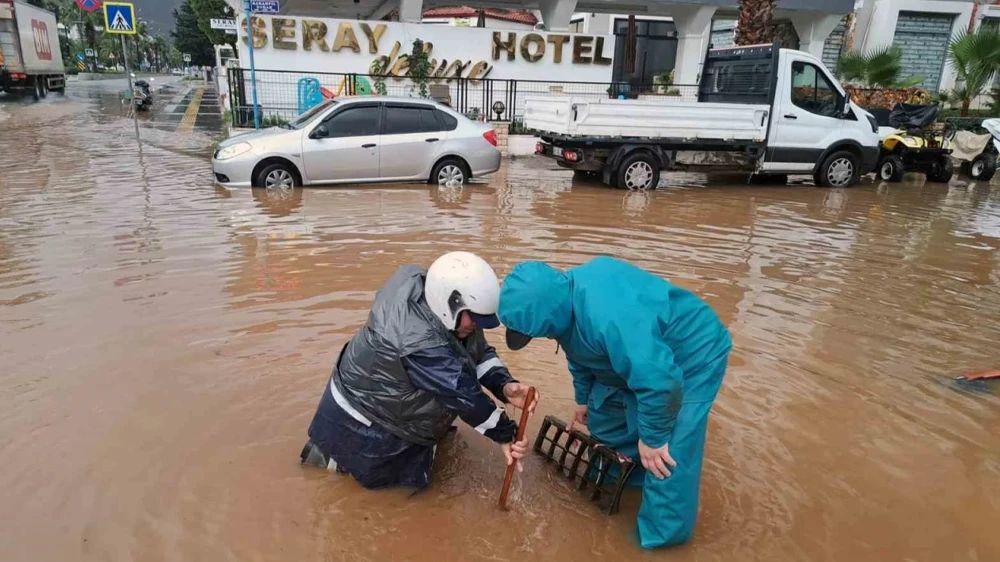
[491,23]
[876,25]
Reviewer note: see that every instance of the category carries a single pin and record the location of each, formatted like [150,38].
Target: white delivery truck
[30,56]
[762,109]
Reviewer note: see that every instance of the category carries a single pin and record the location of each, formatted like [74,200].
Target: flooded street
[164,342]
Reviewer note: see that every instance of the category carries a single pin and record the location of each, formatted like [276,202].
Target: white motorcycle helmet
[460,281]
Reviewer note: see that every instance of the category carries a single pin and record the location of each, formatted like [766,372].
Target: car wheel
[449,171]
[840,169]
[277,176]
[890,169]
[983,167]
[638,172]
[942,170]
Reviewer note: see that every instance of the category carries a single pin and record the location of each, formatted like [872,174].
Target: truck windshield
[305,118]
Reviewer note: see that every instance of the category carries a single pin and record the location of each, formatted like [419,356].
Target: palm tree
[975,57]
[756,22]
[879,68]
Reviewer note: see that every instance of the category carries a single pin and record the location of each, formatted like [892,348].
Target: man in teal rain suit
[647,359]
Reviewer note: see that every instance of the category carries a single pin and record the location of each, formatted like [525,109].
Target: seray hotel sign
[329,45]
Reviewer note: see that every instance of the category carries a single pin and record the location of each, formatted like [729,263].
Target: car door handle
[369,145]
[432,140]
[791,116]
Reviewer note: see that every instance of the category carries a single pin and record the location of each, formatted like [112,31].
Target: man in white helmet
[420,361]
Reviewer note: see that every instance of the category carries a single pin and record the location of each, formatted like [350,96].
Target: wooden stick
[509,477]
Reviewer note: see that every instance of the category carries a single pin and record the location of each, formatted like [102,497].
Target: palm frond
[852,67]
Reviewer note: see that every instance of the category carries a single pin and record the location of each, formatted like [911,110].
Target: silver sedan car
[361,139]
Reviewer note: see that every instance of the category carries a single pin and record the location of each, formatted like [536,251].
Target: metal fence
[282,95]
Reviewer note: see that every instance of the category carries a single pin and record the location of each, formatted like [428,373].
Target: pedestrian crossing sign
[119,18]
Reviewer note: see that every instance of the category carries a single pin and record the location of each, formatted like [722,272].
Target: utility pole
[253,70]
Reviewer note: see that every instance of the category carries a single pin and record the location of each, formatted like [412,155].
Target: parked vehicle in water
[983,166]
[916,142]
[762,109]
[361,139]
[30,55]
[143,95]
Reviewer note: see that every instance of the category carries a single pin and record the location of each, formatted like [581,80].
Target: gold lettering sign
[284,34]
[532,47]
[258,29]
[558,41]
[510,45]
[599,57]
[539,43]
[314,31]
[480,70]
[373,36]
[582,49]
[345,38]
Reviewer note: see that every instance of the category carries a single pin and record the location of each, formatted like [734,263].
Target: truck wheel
[941,171]
[45,86]
[983,167]
[840,169]
[638,172]
[890,169]
[36,92]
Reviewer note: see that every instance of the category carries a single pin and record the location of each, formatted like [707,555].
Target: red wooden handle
[509,477]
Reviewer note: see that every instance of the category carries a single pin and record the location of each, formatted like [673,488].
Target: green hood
[536,300]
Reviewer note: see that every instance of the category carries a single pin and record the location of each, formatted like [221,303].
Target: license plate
[557,152]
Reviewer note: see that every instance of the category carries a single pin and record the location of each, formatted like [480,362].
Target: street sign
[89,5]
[223,24]
[265,6]
[91,53]
[119,18]
[187,57]
[79,57]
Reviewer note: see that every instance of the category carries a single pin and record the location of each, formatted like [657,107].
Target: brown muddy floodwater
[163,344]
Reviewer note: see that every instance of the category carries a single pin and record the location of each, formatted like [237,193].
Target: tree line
[192,35]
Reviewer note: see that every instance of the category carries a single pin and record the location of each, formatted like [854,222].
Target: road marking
[191,115]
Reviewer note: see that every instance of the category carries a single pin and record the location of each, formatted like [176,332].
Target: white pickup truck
[769,111]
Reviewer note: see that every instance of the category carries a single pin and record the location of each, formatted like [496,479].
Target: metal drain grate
[596,470]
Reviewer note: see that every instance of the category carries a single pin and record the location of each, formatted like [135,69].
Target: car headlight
[233,151]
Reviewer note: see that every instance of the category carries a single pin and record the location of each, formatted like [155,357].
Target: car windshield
[305,118]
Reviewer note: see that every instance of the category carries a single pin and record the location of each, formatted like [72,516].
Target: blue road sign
[119,18]
[265,6]
[79,57]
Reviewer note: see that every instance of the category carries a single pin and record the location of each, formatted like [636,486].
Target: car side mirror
[321,132]
[845,107]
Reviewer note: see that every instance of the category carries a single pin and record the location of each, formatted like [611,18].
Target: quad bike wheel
[983,167]
[890,169]
[942,170]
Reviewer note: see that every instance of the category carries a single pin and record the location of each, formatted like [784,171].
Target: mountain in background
[159,14]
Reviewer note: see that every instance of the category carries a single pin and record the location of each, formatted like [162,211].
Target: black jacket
[409,374]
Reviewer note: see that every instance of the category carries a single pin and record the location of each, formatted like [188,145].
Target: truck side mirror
[845,108]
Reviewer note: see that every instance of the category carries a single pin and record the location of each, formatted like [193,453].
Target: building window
[576,26]
[655,49]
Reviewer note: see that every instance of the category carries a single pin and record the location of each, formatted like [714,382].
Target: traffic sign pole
[253,69]
[131,90]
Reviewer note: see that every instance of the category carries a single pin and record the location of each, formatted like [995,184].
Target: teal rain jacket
[646,357]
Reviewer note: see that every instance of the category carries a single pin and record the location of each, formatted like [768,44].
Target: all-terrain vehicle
[984,165]
[917,143]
